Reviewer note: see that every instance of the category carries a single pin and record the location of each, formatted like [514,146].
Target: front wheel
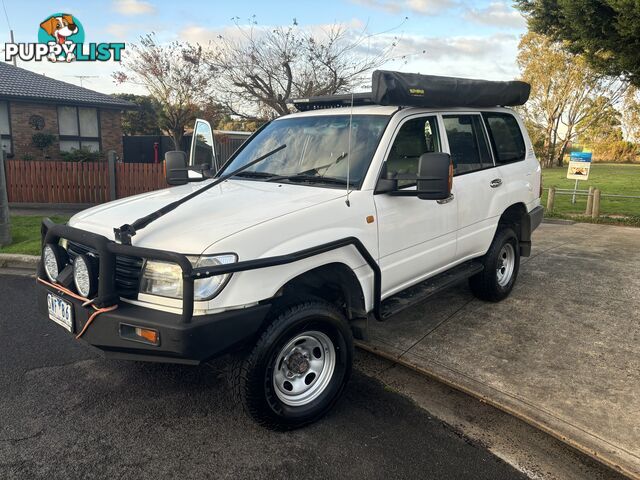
[501,265]
[298,368]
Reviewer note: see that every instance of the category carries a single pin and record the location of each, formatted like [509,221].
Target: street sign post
[579,168]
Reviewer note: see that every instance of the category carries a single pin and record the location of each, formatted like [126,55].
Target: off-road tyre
[490,284]
[252,375]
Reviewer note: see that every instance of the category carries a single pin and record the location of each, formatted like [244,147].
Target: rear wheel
[298,368]
[501,265]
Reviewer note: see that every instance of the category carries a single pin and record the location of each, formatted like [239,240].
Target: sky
[473,39]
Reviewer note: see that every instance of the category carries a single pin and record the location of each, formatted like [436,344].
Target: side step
[423,290]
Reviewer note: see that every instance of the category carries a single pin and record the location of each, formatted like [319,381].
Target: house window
[78,128]
[5,128]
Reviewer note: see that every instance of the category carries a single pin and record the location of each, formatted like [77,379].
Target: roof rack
[426,91]
[332,101]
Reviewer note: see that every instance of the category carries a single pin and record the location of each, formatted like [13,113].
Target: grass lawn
[25,234]
[609,178]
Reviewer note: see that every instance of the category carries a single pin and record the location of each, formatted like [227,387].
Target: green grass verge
[25,234]
[609,178]
[631,221]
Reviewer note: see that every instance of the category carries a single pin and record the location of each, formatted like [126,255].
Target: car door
[475,180]
[417,238]
[203,152]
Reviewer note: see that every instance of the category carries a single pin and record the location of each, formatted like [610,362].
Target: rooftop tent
[430,91]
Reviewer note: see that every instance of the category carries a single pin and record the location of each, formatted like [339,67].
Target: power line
[6,15]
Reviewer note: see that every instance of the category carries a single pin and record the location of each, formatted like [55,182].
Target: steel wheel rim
[304,368]
[506,264]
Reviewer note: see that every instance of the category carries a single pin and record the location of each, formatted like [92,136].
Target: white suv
[323,220]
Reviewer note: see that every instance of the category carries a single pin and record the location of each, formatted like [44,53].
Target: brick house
[31,103]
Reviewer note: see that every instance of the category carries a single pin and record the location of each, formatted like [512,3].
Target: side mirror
[435,176]
[175,168]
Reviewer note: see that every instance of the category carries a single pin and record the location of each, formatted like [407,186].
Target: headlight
[85,276]
[165,279]
[54,259]
[206,288]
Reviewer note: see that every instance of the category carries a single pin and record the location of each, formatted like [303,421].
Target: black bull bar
[108,249]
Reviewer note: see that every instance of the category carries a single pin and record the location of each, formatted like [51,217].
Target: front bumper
[204,337]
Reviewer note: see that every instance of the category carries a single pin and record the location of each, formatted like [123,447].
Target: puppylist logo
[61,39]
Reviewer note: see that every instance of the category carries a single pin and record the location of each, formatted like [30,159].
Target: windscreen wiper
[301,177]
[248,174]
[126,231]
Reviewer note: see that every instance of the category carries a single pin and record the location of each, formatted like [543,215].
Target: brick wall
[21,131]
[111,131]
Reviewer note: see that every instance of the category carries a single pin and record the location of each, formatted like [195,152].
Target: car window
[506,137]
[316,143]
[416,136]
[467,143]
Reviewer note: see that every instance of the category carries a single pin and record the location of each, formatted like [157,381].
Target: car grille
[128,269]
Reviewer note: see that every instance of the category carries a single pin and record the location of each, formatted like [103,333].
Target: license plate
[60,311]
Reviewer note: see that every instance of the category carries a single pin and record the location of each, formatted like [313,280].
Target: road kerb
[18,261]
[601,451]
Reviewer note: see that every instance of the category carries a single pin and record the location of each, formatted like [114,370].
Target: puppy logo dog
[60,27]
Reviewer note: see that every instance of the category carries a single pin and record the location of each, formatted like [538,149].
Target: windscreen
[315,145]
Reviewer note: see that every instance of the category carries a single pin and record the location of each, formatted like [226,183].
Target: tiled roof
[24,84]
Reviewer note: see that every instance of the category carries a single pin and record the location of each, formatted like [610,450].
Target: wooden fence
[70,182]
[133,178]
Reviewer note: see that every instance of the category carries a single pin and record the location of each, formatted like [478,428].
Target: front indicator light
[140,334]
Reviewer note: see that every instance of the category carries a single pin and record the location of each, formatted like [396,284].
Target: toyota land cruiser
[347,212]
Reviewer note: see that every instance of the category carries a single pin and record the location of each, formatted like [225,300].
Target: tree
[604,137]
[145,120]
[567,96]
[631,115]
[605,32]
[42,141]
[258,69]
[175,77]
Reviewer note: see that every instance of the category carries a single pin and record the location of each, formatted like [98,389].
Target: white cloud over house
[133,7]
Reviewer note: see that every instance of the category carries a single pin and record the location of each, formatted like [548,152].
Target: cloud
[490,57]
[497,14]
[120,30]
[133,7]
[421,7]
[203,35]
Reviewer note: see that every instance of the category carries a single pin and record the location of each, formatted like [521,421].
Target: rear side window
[506,137]
[468,143]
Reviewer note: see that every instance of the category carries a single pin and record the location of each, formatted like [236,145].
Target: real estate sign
[579,166]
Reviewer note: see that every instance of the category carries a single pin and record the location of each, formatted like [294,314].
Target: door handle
[495,183]
[445,200]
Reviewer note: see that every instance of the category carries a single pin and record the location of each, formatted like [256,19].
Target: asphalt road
[66,412]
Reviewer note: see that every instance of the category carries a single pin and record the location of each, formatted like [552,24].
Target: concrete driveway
[562,352]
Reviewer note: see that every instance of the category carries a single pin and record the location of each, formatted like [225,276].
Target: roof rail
[331,101]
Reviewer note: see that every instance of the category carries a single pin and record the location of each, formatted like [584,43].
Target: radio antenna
[349,152]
